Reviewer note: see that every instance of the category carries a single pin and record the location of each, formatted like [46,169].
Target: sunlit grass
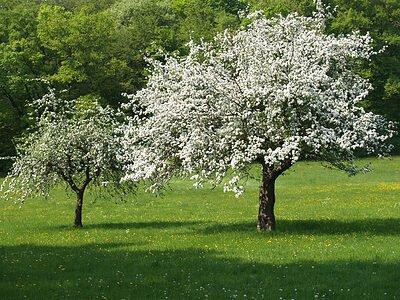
[337,237]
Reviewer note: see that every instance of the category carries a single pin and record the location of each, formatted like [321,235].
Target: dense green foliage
[338,238]
[382,20]
[97,47]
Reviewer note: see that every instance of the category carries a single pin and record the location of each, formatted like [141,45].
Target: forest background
[96,49]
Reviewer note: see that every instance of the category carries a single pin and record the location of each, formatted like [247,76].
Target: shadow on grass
[389,226]
[135,225]
[118,271]
[318,227]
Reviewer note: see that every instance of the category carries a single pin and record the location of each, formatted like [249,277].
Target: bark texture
[79,195]
[78,209]
[266,216]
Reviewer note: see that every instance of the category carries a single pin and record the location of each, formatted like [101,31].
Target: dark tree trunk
[78,209]
[266,216]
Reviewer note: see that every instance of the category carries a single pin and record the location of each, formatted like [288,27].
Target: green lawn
[337,237]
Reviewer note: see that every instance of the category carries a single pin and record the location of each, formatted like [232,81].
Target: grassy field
[337,238]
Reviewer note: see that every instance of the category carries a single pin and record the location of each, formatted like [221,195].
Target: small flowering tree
[71,141]
[274,92]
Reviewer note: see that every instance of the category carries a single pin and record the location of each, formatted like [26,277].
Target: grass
[337,237]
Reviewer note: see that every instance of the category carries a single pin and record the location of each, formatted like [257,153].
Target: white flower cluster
[272,93]
[68,144]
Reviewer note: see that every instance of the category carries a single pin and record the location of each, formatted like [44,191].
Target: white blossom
[66,143]
[274,92]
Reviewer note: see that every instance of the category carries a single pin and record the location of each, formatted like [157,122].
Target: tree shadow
[119,271]
[135,225]
[390,226]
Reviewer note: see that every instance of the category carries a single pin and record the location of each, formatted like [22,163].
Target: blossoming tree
[71,141]
[274,92]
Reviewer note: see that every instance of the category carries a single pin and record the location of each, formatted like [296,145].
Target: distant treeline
[96,48]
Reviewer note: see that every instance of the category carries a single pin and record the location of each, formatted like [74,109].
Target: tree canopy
[276,91]
[98,48]
[74,142]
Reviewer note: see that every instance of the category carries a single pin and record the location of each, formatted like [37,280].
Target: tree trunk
[78,209]
[266,216]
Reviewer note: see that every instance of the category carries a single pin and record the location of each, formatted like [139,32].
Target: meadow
[337,237]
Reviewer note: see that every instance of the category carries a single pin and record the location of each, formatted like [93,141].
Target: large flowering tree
[274,92]
[72,142]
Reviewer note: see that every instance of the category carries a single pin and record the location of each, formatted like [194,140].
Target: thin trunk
[78,209]
[79,193]
[266,216]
